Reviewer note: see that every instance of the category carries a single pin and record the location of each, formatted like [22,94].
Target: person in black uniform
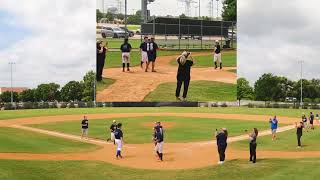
[126,49]
[222,137]
[299,132]
[119,140]
[143,51]
[311,118]
[84,127]
[112,128]
[253,145]
[183,74]
[101,56]
[217,55]
[152,48]
[159,136]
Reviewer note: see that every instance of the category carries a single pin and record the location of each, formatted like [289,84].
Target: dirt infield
[176,155]
[137,84]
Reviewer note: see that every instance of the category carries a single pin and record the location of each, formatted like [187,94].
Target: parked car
[114,32]
[129,32]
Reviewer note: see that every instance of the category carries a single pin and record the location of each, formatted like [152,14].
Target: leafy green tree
[244,90]
[135,19]
[72,91]
[47,92]
[99,15]
[28,95]
[109,16]
[88,86]
[183,16]
[6,96]
[229,12]
[268,88]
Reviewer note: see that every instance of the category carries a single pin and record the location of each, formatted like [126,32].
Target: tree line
[73,91]
[270,87]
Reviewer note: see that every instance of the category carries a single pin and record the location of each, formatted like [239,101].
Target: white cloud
[61,46]
[274,35]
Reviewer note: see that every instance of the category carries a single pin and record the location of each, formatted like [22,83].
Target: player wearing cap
[152,54]
[217,55]
[143,51]
[118,140]
[112,128]
[158,138]
[85,127]
[126,49]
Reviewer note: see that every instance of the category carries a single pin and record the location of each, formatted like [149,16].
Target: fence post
[201,32]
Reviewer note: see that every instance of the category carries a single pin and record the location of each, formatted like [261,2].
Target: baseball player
[311,118]
[112,128]
[158,138]
[126,49]
[143,51]
[317,117]
[304,121]
[85,127]
[217,55]
[152,54]
[274,126]
[221,137]
[119,140]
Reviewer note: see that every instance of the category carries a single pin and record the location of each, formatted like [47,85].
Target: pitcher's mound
[164,124]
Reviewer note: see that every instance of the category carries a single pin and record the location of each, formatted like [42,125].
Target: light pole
[125,13]
[199,10]
[301,101]
[11,79]
[217,9]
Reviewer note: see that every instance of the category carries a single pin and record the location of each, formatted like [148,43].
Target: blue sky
[11,33]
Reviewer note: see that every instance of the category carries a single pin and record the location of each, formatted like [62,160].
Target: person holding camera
[221,137]
[101,57]
[253,144]
[183,74]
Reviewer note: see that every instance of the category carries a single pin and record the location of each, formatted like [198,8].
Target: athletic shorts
[311,122]
[159,147]
[217,58]
[112,136]
[144,56]
[152,58]
[125,57]
[317,118]
[85,131]
[119,144]
[273,131]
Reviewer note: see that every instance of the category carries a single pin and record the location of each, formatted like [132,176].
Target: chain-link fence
[176,33]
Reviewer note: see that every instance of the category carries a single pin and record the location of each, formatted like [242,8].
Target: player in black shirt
[126,49]
[183,74]
[311,118]
[112,128]
[143,51]
[118,139]
[101,56]
[221,138]
[152,48]
[158,138]
[253,145]
[299,133]
[217,55]
[84,127]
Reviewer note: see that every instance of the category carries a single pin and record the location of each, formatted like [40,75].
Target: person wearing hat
[183,74]
[152,48]
[125,49]
[101,56]
[221,137]
[217,55]
[112,128]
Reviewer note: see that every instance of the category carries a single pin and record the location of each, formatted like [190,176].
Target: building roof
[14,89]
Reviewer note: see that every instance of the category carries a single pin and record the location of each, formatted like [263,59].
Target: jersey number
[150,47]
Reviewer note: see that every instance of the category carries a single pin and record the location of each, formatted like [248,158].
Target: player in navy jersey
[217,55]
[126,49]
[84,127]
[119,140]
[152,48]
[143,51]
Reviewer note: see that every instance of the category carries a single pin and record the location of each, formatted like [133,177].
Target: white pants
[84,132]
[159,147]
[217,57]
[144,56]
[119,144]
[112,136]
[126,57]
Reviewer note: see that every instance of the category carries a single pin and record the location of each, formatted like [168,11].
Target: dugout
[190,29]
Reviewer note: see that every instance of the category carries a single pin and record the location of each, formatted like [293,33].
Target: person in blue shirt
[221,137]
[274,126]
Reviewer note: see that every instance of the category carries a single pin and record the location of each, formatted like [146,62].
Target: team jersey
[221,138]
[217,49]
[253,138]
[85,124]
[118,134]
[159,136]
[143,46]
[113,127]
[311,117]
[125,47]
[152,49]
[304,119]
[274,123]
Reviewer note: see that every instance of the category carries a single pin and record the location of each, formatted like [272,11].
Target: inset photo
[144,54]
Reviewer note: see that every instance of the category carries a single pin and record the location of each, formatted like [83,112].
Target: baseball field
[46,144]
[137,85]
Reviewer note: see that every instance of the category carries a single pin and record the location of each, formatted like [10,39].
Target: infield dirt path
[176,155]
[137,84]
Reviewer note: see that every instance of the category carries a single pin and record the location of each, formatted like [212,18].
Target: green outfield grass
[115,43]
[15,140]
[133,27]
[229,59]
[12,114]
[198,91]
[287,141]
[135,131]
[266,169]
[113,59]
[104,83]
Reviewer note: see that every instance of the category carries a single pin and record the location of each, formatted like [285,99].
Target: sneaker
[299,147]
[220,162]
[178,98]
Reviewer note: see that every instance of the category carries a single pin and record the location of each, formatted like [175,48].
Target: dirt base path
[176,155]
[137,84]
